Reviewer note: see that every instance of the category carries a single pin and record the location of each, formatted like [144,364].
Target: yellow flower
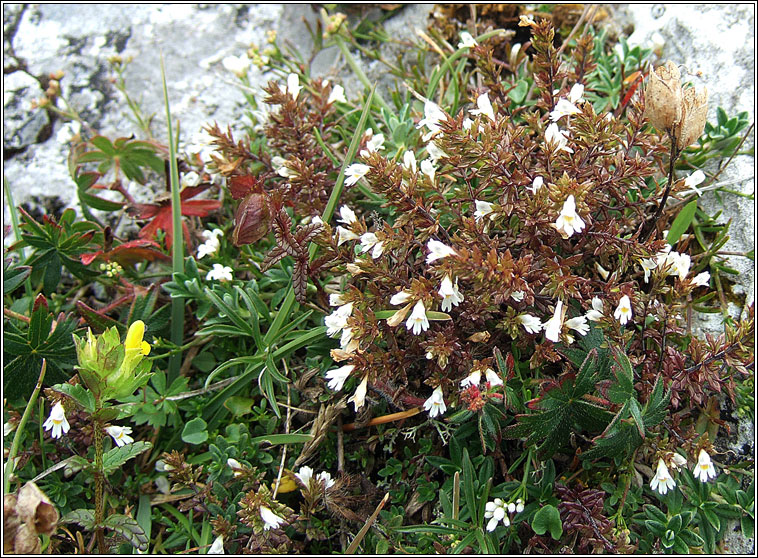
[134,338]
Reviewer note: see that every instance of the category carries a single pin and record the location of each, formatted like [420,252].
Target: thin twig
[369,522]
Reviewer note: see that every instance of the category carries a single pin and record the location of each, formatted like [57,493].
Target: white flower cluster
[211,244]
[662,480]
[58,425]
[500,511]
[324,478]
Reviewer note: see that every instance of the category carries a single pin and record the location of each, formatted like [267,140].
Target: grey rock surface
[22,126]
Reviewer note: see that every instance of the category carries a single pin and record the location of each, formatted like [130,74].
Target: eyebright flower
[554,325]
[662,481]
[433,115]
[579,324]
[623,311]
[235,466]
[493,378]
[701,279]
[336,299]
[518,296]
[305,474]
[409,160]
[57,421]
[569,221]
[369,241]
[704,469]
[678,461]
[120,434]
[219,273]
[347,215]
[531,323]
[338,376]
[343,235]
[270,519]
[472,379]
[238,65]
[190,180]
[359,397]
[537,183]
[376,143]
[326,478]
[293,85]
[428,168]
[438,250]
[218,546]
[693,180]
[496,512]
[596,313]
[337,95]
[557,139]
[417,320]
[355,172]
[337,320]
[467,40]
[400,298]
[435,153]
[450,294]
[647,265]
[483,209]
[484,106]
[563,108]
[435,404]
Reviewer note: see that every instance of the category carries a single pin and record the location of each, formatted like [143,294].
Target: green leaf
[115,457]
[128,528]
[14,276]
[634,409]
[79,394]
[656,527]
[681,223]
[239,405]
[518,93]
[691,539]
[547,519]
[195,431]
[85,518]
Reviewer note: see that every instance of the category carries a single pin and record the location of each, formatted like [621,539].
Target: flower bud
[663,97]
[252,220]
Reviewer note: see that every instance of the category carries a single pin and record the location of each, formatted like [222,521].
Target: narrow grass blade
[369,522]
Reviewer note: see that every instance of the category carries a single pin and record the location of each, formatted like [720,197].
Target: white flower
[190,179]
[681,265]
[450,294]
[337,94]
[219,273]
[467,40]
[518,296]
[238,65]
[537,183]
[162,467]
[701,279]
[417,320]
[579,324]
[648,265]
[704,469]
[433,114]
[435,153]
[409,160]
[662,481]
[326,478]
[493,378]
[355,172]
[596,313]
[235,466]
[569,221]
[483,209]
[9,427]
[338,376]
[293,85]
[336,299]
[575,95]
[623,311]
[57,421]
[270,519]
[563,108]
[305,474]
[376,143]
[428,168]
[484,106]
[161,483]
[678,461]
[337,320]
[531,323]
[604,273]
[400,298]
[519,505]
[693,180]
[435,404]
[557,139]
[511,507]
[472,379]
[211,244]
[282,169]
[369,241]
[343,235]
[438,250]
[554,325]
[359,397]
[467,123]
[496,512]
[346,338]
[218,546]
[120,434]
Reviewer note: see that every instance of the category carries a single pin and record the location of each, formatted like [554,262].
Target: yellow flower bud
[134,336]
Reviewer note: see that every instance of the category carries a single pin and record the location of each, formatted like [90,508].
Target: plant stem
[649,226]
[360,74]
[20,428]
[99,482]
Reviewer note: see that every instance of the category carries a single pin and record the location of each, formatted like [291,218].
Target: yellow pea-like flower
[134,337]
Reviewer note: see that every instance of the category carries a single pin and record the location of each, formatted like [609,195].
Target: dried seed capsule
[694,113]
[663,97]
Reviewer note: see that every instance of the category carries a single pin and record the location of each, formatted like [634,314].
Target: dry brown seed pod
[663,97]
[694,113]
